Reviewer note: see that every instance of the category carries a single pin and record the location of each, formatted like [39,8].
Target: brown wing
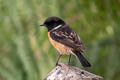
[66,36]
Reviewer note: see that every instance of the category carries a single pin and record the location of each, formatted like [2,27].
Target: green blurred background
[25,52]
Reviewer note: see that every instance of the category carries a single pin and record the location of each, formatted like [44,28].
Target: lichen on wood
[67,72]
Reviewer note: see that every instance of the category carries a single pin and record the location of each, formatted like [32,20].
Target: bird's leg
[58,59]
[69,59]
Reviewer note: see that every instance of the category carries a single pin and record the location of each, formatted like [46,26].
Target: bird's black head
[52,22]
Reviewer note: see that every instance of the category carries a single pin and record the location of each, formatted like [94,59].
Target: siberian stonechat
[64,39]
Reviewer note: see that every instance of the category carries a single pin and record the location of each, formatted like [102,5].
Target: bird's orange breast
[61,48]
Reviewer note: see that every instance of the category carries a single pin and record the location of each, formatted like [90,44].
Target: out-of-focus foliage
[25,52]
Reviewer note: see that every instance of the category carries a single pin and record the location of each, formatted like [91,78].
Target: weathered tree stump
[66,72]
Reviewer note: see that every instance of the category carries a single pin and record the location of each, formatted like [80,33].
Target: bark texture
[66,72]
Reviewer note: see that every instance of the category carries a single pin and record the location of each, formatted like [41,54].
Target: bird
[65,40]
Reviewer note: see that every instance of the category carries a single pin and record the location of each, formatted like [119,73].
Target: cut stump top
[67,72]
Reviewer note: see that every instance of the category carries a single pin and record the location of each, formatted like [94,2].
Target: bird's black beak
[42,25]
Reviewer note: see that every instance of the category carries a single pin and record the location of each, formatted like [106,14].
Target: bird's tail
[82,59]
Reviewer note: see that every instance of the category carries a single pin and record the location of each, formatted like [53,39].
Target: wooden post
[66,72]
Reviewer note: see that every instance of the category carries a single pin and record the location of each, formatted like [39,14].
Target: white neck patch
[57,27]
